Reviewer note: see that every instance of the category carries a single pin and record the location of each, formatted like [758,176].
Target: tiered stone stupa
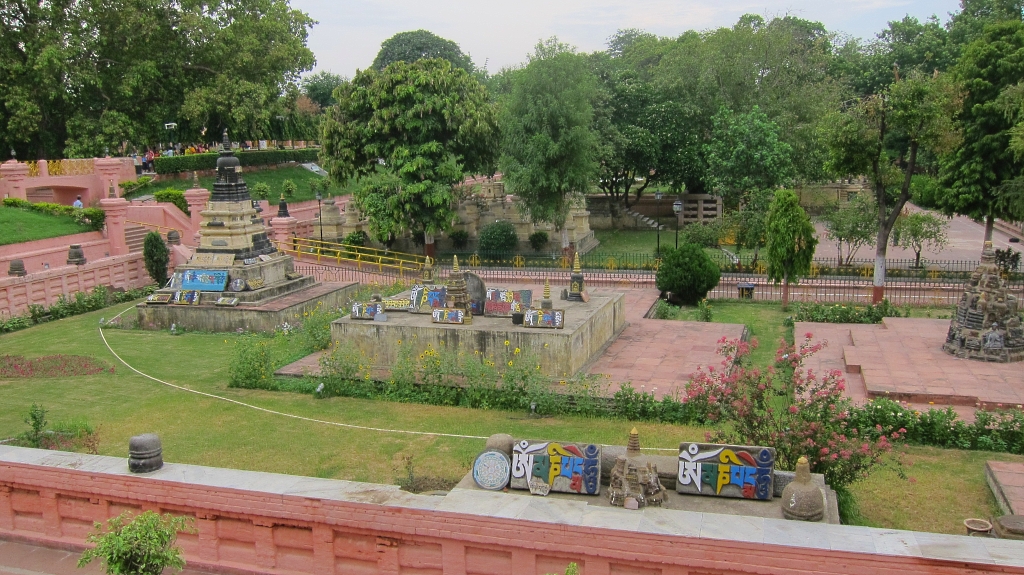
[987,325]
[458,296]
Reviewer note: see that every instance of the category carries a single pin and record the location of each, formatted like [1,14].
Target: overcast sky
[349,32]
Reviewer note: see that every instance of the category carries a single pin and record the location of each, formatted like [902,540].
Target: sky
[350,32]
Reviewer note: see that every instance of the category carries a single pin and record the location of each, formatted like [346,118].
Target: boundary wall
[44,287]
[257,522]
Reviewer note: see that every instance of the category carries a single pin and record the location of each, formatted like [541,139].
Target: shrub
[92,217]
[316,328]
[688,273]
[156,257]
[140,545]
[260,191]
[842,313]
[198,162]
[251,366]
[176,197]
[704,311]
[289,188]
[356,238]
[704,234]
[1008,260]
[459,238]
[36,421]
[538,240]
[498,238]
[130,189]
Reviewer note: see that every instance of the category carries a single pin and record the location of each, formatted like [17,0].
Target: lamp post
[170,127]
[657,196]
[320,217]
[677,206]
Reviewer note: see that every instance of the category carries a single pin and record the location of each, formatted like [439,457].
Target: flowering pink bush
[787,407]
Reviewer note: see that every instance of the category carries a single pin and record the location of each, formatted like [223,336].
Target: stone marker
[76,256]
[726,470]
[988,322]
[502,442]
[477,291]
[17,269]
[145,453]
[491,470]
[802,500]
[552,466]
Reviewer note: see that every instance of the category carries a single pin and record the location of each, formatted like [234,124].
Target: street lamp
[170,127]
[320,216]
[657,196]
[677,206]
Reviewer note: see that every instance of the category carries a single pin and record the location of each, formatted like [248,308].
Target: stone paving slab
[1006,480]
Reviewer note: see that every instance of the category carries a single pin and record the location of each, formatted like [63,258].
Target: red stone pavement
[655,355]
[27,559]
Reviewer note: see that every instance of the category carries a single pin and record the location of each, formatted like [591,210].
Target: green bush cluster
[688,273]
[459,238]
[260,191]
[99,298]
[1000,430]
[498,238]
[130,189]
[176,197]
[842,313]
[197,162]
[538,240]
[704,234]
[356,238]
[92,217]
[289,188]
[252,364]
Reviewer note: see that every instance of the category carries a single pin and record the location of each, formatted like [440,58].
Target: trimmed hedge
[197,162]
[92,217]
[176,197]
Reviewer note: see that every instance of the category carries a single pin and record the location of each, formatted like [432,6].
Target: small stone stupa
[458,296]
[576,286]
[987,325]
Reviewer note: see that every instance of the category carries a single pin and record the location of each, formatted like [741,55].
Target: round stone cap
[1010,527]
[502,442]
[145,445]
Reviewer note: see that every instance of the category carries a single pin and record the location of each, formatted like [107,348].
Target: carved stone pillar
[116,210]
[197,199]
[14,174]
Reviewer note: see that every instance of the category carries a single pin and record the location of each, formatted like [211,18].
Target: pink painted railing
[43,288]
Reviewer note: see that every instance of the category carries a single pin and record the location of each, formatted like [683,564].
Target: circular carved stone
[237,285]
[492,470]
[145,453]
[1010,527]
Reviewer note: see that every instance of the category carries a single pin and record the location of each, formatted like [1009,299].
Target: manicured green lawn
[273,178]
[20,225]
[639,242]
[764,322]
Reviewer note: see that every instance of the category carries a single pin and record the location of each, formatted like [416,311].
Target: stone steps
[649,222]
[135,237]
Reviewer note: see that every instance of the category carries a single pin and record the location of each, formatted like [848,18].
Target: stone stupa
[987,325]
[458,296]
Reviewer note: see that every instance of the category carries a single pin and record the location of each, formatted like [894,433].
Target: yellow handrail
[149,225]
[359,255]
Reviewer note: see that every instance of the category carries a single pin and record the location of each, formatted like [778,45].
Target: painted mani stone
[427,298]
[366,310]
[726,470]
[448,315]
[548,466]
[545,318]
[501,302]
[491,470]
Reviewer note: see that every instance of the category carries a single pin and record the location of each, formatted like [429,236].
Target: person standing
[78,202]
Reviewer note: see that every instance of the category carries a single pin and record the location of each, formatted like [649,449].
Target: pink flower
[792,409]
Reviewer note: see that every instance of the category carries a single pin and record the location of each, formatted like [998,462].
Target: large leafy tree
[408,134]
[915,110]
[320,87]
[417,45]
[746,153]
[791,241]
[548,142]
[851,225]
[78,77]
[977,172]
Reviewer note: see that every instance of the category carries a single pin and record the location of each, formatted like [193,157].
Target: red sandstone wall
[261,532]
[44,287]
[52,251]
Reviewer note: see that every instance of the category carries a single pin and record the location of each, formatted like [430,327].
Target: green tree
[919,230]
[417,45]
[408,134]
[139,545]
[320,87]
[547,148]
[851,225]
[752,222]
[156,257]
[915,109]
[745,153]
[688,273]
[791,241]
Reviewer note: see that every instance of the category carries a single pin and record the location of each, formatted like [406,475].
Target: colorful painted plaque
[226,301]
[159,298]
[400,304]
[502,302]
[366,310]
[726,470]
[492,470]
[544,318]
[551,466]
[208,259]
[427,298]
[189,297]
[204,280]
[448,315]
[255,283]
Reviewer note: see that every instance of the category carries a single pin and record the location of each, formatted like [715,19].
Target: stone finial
[547,288]
[802,500]
[195,180]
[455,264]
[17,269]
[226,142]
[428,262]
[633,447]
[282,208]
[576,264]
[145,453]
[111,193]
[76,256]
[174,238]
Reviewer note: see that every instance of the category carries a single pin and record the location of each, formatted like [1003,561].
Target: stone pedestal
[196,198]
[108,169]
[116,210]
[283,230]
[14,174]
[330,225]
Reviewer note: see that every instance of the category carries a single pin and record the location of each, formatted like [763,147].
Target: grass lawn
[763,321]
[639,242]
[273,178]
[20,225]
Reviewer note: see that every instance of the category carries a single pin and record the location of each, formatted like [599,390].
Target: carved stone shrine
[987,325]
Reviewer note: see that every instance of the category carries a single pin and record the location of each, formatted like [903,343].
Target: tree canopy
[745,153]
[320,87]
[408,134]
[78,77]
[791,241]
[417,45]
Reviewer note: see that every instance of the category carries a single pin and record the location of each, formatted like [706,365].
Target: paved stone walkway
[1007,483]
[902,359]
[26,559]
[655,355]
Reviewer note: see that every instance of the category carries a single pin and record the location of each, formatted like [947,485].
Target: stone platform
[902,359]
[1006,480]
[263,317]
[589,326]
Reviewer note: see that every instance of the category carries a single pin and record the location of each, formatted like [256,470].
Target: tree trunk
[917,259]
[565,240]
[428,245]
[990,223]
[785,293]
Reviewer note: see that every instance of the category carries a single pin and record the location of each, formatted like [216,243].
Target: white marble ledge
[519,507]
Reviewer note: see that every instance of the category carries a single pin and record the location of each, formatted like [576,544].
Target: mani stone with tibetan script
[544,466]
[988,322]
[726,470]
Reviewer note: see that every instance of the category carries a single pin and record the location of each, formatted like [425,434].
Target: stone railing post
[109,171]
[14,174]
[116,210]
[282,231]
[44,168]
[196,198]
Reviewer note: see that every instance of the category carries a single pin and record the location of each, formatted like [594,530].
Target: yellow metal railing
[365,259]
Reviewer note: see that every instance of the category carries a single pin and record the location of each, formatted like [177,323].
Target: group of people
[144,160]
